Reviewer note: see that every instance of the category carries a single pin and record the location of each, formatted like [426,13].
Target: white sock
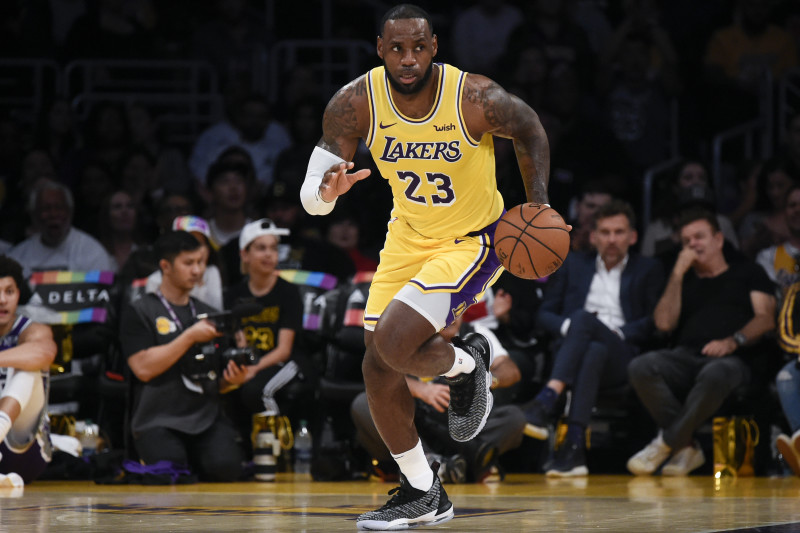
[463,364]
[415,467]
[5,425]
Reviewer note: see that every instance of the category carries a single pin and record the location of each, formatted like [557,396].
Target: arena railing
[182,95]
[336,62]
[755,135]
[25,84]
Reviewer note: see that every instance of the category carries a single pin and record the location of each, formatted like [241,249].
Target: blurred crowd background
[146,110]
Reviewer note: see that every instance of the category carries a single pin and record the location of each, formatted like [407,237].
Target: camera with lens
[204,362]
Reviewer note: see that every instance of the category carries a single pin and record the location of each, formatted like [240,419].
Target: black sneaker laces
[399,495]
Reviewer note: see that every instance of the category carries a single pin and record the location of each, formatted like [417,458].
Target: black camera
[204,362]
[241,356]
[211,351]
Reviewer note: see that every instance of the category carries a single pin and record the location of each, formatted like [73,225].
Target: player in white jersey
[26,351]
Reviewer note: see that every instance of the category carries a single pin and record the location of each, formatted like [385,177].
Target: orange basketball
[531,240]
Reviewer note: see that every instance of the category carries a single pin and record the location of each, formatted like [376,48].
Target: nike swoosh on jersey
[384,126]
[459,240]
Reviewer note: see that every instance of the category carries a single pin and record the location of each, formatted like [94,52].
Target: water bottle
[302,450]
[89,436]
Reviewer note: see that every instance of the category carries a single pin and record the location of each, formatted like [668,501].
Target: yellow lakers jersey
[443,181]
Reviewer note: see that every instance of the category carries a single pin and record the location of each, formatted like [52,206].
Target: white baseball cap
[254,230]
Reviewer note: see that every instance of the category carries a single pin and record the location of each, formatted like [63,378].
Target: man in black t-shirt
[177,412]
[273,330]
[717,312]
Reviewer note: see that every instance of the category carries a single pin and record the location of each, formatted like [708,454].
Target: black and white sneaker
[409,507]
[470,397]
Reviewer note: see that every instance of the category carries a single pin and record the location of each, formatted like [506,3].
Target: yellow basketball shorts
[439,278]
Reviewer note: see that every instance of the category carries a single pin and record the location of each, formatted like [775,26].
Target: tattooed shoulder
[346,113]
[489,104]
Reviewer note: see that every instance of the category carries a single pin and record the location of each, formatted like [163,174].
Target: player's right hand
[336,181]
[203,331]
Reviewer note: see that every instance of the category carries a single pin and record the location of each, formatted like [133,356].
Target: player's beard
[409,89]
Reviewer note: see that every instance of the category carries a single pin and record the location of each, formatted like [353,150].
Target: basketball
[531,240]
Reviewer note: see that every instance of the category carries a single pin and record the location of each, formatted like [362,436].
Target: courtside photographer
[177,356]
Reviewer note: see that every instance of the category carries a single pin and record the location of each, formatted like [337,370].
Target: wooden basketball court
[523,502]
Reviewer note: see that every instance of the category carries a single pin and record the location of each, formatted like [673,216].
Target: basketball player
[429,128]
[26,351]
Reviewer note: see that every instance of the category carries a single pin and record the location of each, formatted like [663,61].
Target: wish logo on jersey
[394,151]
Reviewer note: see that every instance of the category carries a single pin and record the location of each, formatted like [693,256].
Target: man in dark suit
[599,306]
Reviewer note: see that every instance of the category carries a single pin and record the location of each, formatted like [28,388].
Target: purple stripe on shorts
[476,285]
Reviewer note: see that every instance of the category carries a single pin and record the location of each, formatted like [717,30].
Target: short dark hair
[613,208]
[404,11]
[170,244]
[693,214]
[219,168]
[11,268]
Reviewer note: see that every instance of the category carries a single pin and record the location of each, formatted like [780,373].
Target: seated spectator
[599,308]
[209,288]
[637,101]
[236,156]
[343,232]
[57,132]
[57,245]
[765,225]
[178,414]
[137,176]
[36,166]
[94,183]
[272,331]
[471,461]
[172,170]
[717,312]
[106,134]
[592,197]
[142,262]
[230,186]
[250,127]
[117,227]
[689,188]
[782,261]
[302,248]
[26,352]
[788,379]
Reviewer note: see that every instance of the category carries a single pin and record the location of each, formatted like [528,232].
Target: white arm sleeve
[321,160]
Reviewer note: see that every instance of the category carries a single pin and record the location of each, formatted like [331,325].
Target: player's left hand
[336,181]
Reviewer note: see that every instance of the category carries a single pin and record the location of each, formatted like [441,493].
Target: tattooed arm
[488,108]
[346,120]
